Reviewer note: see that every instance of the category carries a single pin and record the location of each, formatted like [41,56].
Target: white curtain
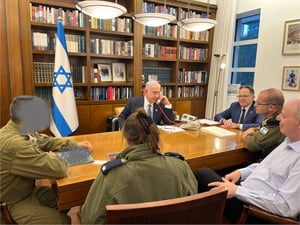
[221,53]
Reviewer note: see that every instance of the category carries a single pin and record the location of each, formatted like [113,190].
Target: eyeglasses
[243,96]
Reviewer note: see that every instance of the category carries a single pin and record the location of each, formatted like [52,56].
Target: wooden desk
[199,149]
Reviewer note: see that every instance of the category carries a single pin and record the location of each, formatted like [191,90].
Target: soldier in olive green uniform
[268,136]
[139,174]
[26,156]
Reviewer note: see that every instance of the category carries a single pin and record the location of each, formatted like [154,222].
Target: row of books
[43,72]
[116,24]
[193,53]
[157,50]
[46,42]
[188,92]
[78,73]
[185,76]
[162,74]
[162,31]
[187,14]
[167,91]
[46,14]
[43,41]
[111,47]
[111,93]
[44,93]
[121,93]
[197,36]
[149,7]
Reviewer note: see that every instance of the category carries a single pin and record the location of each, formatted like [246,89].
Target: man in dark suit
[242,114]
[156,105]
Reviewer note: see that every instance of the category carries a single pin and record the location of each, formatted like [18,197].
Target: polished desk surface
[198,148]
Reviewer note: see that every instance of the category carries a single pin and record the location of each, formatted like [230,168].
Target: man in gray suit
[156,105]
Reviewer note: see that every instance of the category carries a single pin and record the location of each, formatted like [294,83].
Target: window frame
[243,43]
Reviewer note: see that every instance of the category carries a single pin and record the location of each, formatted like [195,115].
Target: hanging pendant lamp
[101,9]
[154,19]
[198,24]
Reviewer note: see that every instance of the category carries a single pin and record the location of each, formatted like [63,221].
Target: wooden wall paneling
[137,51]
[26,47]
[98,116]
[4,79]
[182,107]
[14,47]
[198,108]
[83,119]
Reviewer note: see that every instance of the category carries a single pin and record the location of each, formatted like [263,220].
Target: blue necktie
[149,111]
[243,116]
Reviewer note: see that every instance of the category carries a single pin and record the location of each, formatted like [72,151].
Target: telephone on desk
[189,123]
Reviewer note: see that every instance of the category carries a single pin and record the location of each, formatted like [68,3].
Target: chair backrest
[251,210]
[5,214]
[203,208]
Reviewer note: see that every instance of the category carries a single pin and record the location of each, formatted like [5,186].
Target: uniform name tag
[263,130]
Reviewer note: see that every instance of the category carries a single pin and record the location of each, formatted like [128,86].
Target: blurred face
[261,105]
[245,97]
[289,125]
[153,93]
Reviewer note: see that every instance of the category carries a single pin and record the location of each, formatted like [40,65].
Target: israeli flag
[64,119]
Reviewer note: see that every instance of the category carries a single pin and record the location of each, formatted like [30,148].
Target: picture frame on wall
[119,71]
[291,78]
[105,72]
[291,38]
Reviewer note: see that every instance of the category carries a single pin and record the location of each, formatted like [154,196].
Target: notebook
[217,131]
[75,155]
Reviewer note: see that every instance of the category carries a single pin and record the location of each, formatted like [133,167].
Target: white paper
[208,122]
[170,128]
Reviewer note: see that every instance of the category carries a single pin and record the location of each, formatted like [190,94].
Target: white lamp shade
[154,19]
[101,9]
[198,24]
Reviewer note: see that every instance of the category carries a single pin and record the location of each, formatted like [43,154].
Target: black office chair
[5,214]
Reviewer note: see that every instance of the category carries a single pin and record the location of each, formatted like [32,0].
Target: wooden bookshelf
[171,54]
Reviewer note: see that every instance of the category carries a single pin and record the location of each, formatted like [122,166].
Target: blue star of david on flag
[64,118]
[62,79]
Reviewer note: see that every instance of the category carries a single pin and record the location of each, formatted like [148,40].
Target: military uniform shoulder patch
[175,154]
[106,167]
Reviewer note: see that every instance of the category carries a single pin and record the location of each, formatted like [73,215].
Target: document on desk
[170,128]
[208,122]
[217,131]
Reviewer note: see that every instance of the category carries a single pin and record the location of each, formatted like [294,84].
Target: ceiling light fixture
[101,9]
[154,19]
[198,24]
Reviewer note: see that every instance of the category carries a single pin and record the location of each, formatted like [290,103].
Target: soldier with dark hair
[141,173]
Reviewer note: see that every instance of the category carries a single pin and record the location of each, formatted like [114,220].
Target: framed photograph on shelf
[290,78]
[105,72]
[291,38]
[119,71]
